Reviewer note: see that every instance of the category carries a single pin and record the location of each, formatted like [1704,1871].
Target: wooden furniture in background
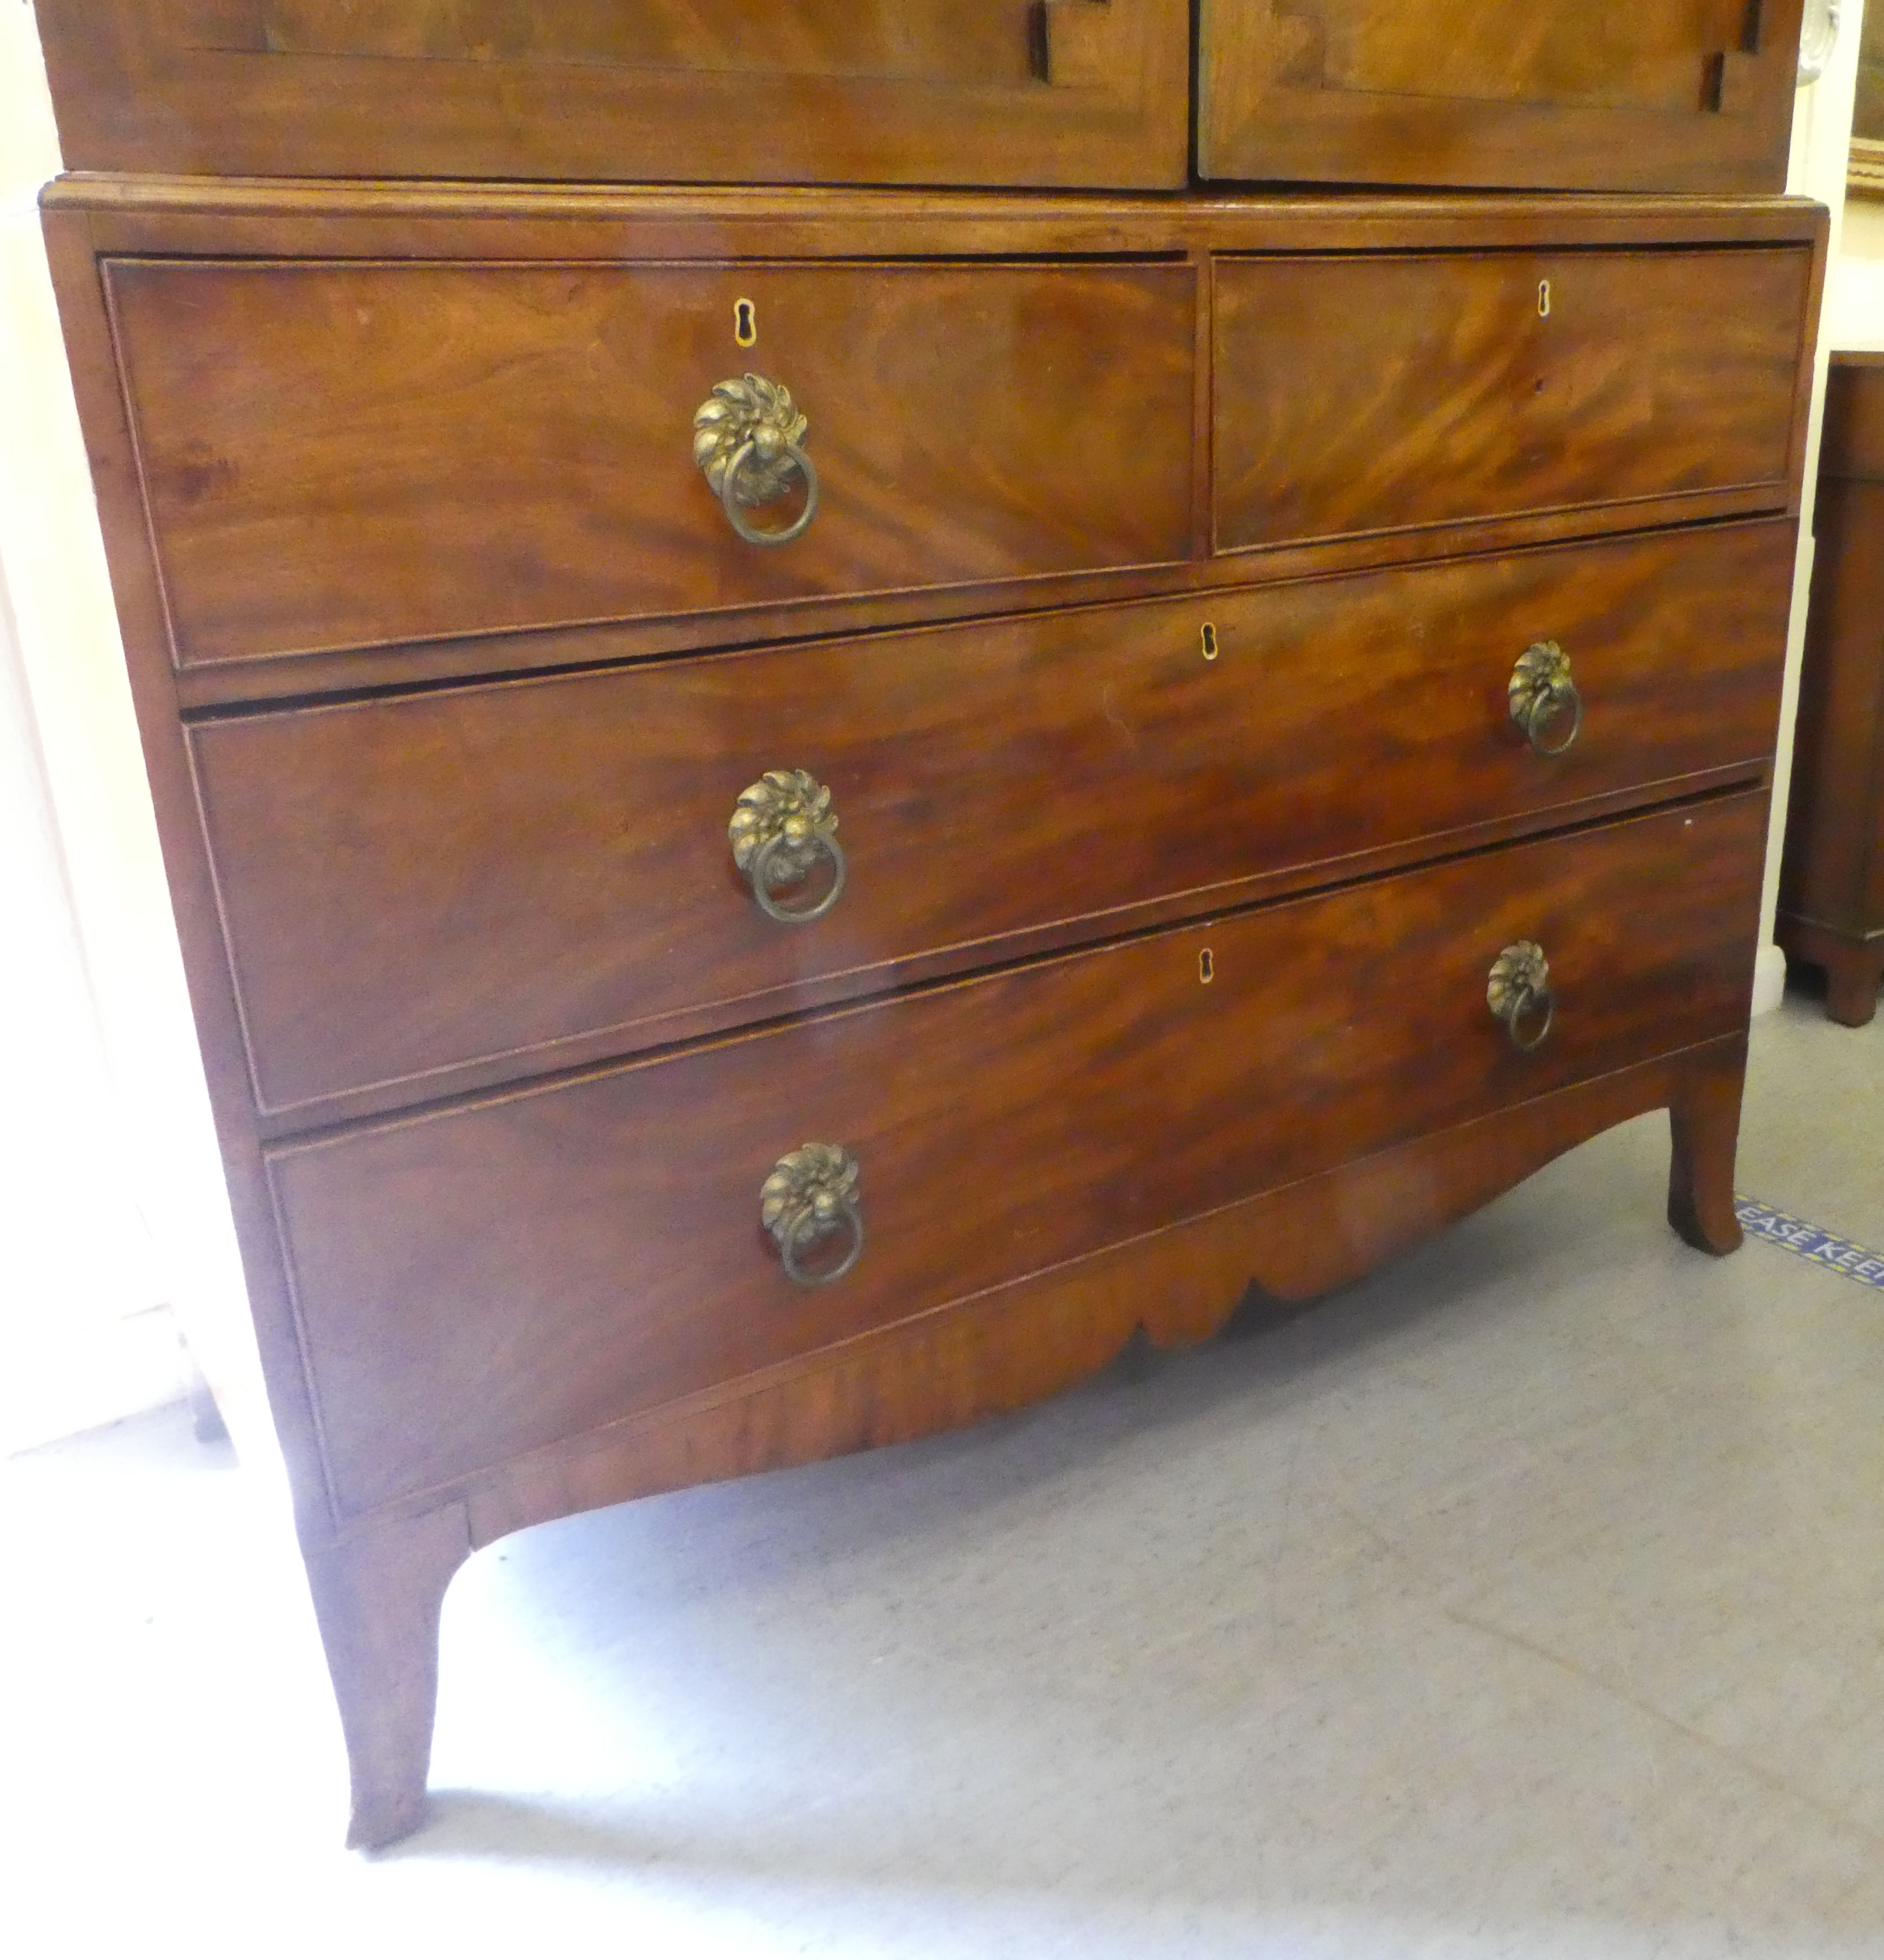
[1832,882]
[793,811]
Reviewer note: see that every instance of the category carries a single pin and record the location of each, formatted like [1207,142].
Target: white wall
[84,1336]
[1854,307]
[111,1162]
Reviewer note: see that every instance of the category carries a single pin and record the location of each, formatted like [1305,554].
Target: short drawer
[483,876]
[342,455]
[1369,394]
[479,1281]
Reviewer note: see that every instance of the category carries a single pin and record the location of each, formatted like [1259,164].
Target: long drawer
[338,455]
[1379,393]
[545,1261]
[470,878]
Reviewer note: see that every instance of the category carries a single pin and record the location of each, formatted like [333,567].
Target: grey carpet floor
[1523,1599]
[1791,1156]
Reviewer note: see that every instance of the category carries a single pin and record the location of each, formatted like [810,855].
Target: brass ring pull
[810,1198]
[1519,995]
[733,493]
[1541,689]
[781,826]
[749,438]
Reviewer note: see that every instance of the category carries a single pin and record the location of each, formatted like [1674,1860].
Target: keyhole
[1208,640]
[745,323]
[1543,299]
[1206,967]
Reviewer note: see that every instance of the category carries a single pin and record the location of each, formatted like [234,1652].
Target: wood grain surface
[1371,394]
[494,1277]
[1618,94]
[784,91]
[426,892]
[335,455]
[1003,1350]
[271,217]
[96,222]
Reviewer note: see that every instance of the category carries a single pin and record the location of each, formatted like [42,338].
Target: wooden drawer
[767,91]
[1369,394]
[471,878]
[489,1278]
[337,455]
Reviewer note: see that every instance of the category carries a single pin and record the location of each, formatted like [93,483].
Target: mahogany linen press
[845,697]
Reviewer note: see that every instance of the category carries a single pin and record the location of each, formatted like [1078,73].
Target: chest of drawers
[793,812]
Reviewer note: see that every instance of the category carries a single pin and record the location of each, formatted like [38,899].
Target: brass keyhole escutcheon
[1206,967]
[1207,641]
[745,323]
[1543,299]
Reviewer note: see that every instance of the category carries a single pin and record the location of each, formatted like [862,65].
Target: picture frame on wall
[1865,176]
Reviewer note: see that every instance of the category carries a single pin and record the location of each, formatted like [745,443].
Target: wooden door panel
[1586,94]
[1069,92]
[1652,56]
[989,41]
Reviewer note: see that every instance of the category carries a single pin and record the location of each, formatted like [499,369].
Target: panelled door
[1630,95]
[1046,92]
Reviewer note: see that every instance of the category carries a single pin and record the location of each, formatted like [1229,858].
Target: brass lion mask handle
[781,826]
[1518,993]
[1541,691]
[811,1199]
[749,439]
